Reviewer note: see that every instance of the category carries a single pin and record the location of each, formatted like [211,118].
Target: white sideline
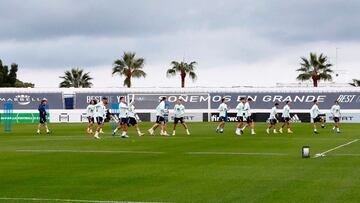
[87,151]
[66,200]
[237,153]
[346,154]
[148,152]
[335,148]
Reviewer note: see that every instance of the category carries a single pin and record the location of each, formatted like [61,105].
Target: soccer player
[223,109]
[123,118]
[273,119]
[160,118]
[133,117]
[90,111]
[315,116]
[42,115]
[249,119]
[100,113]
[335,111]
[240,116]
[286,117]
[179,111]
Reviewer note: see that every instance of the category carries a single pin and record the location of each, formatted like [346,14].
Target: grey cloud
[40,19]
[208,48]
[283,20]
[88,33]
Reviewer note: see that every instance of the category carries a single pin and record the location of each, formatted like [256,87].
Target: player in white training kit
[249,119]
[90,112]
[315,116]
[100,113]
[240,116]
[335,111]
[273,119]
[133,117]
[160,118]
[123,118]
[286,118]
[223,109]
[179,112]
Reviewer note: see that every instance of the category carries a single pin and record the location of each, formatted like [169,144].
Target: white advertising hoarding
[345,117]
[189,117]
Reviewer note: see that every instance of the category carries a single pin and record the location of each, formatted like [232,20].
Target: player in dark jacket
[42,115]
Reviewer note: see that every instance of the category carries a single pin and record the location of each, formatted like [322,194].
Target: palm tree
[355,83]
[129,67]
[183,69]
[316,69]
[76,78]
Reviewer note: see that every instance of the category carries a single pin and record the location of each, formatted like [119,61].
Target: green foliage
[129,67]
[355,83]
[24,84]
[183,69]
[315,68]
[8,78]
[76,78]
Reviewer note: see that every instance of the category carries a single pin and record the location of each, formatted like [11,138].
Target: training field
[68,166]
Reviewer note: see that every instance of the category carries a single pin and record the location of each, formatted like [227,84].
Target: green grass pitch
[68,166]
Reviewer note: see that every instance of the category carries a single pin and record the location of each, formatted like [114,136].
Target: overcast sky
[235,42]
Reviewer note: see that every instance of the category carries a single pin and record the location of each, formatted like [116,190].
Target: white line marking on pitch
[87,151]
[335,148]
[237,153]
[345,154]
[67,200]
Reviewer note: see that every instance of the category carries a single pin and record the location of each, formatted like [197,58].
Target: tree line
[315,68]
[8,77]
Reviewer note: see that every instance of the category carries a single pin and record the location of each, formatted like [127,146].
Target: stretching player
[179,111]
[100,112]
[315,116]
[223,109]
[240,116]
[123,118]
[90,110]
[160,118]
[273,119]
[133,117]
[42,115]
[335,111]
[286,117]
[249,119]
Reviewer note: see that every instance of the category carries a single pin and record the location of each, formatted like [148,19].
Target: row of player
[97,113]
[127,117]
[244,115]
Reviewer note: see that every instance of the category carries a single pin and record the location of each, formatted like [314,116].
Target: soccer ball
[221,130]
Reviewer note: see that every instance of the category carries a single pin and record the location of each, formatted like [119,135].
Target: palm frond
[174,63]
[302,69]
[170,72]
[355,83]
[305,60]
[137,73]
[193,75]
[325,76]
[138,63]
[303,76]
